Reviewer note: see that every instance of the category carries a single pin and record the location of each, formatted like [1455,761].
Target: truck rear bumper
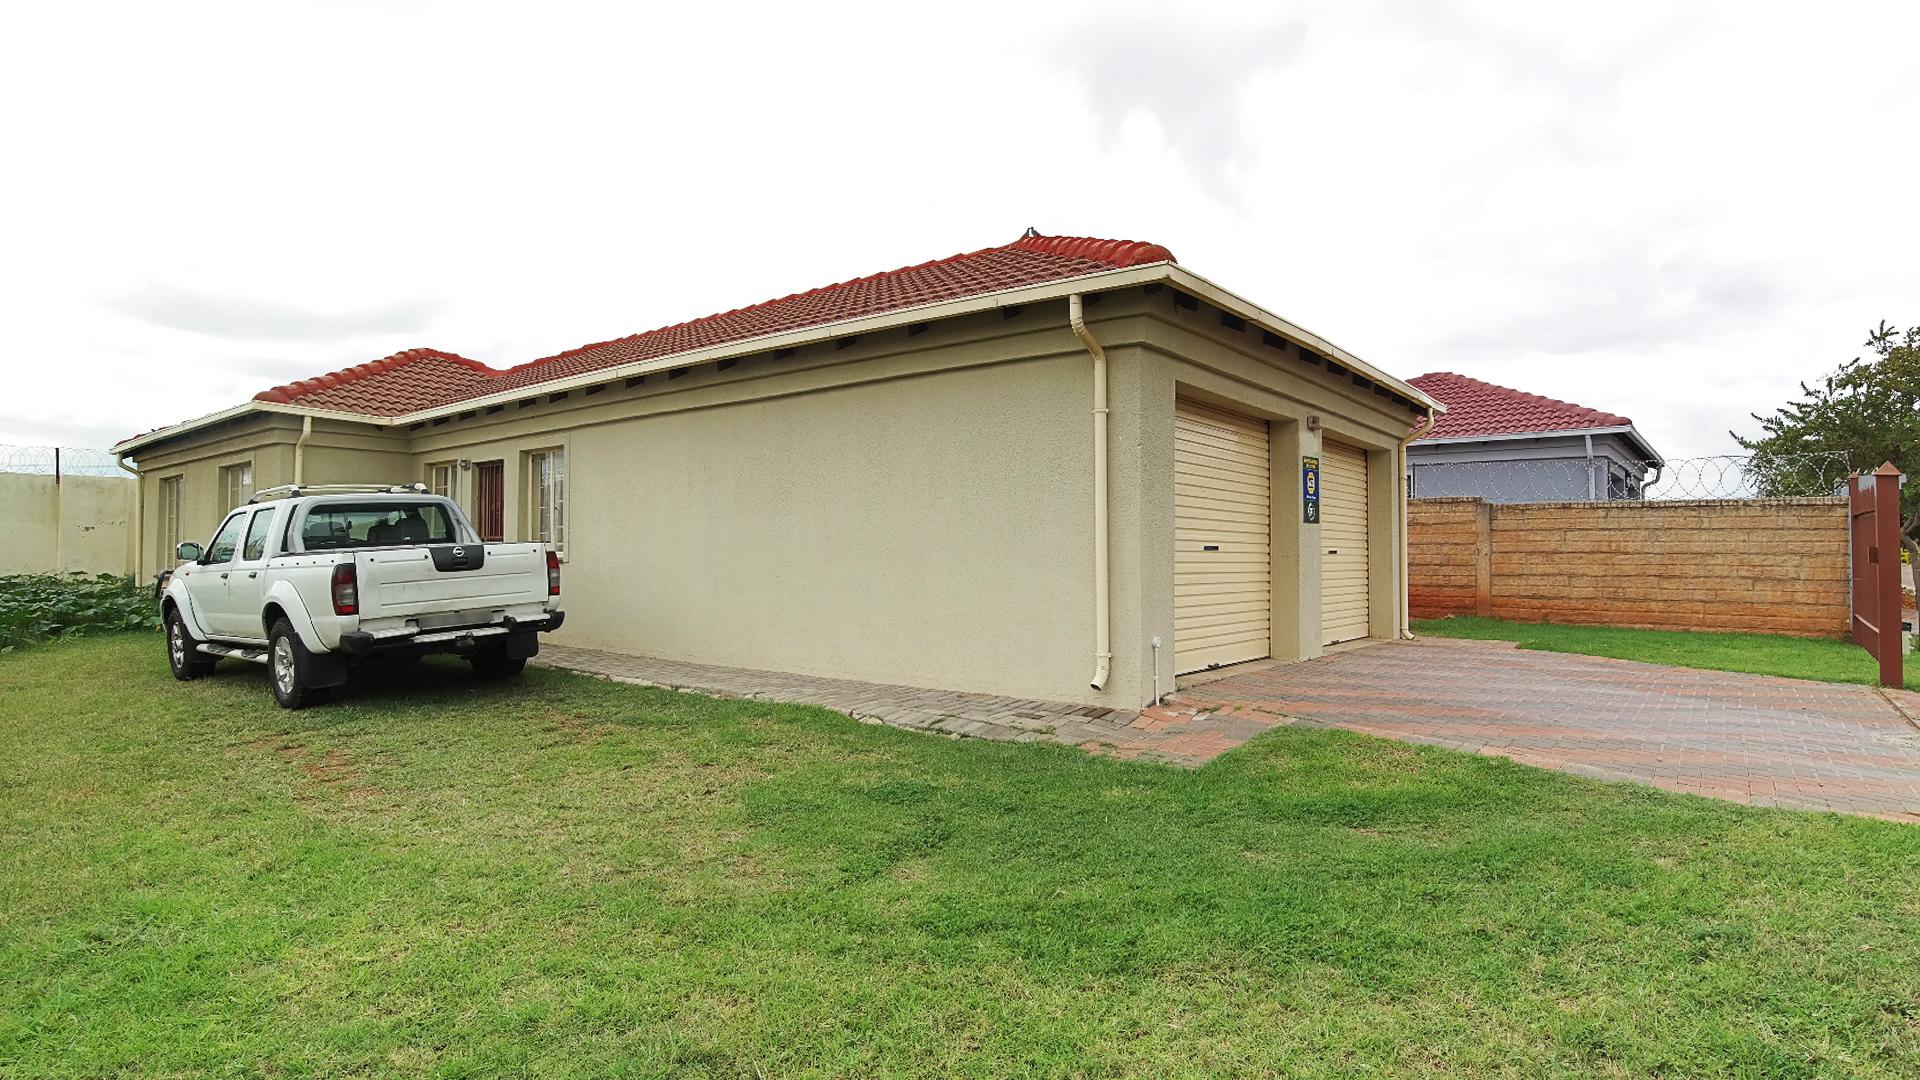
[518,636]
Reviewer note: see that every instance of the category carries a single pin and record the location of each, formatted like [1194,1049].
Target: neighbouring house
[1062,468]
[1507,446]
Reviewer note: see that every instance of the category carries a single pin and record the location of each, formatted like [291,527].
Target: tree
[1865,413]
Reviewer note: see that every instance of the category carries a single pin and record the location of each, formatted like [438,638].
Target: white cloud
[1673,212]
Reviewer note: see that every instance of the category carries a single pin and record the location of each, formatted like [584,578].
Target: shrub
[36,607]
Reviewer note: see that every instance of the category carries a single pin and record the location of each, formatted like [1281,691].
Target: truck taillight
[346,590]
[553,573]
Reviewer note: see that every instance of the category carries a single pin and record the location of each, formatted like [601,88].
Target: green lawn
[568,877]
[1824,659]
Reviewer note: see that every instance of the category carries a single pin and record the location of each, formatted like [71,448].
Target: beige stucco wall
[336,452]
[901,507]
[80,523]
[1194,354]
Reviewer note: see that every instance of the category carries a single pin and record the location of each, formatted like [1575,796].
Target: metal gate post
[1886,553]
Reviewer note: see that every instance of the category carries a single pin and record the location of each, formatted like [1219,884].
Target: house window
[168,521]
[237,482]
[547,497]
[440,478]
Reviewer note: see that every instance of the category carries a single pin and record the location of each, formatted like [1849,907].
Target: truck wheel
[287,663]
[183,651]
[494,663]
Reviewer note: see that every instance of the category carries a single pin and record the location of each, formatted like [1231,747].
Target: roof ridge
[1118,253]
[286,392]
[1490,411]
[1031,259]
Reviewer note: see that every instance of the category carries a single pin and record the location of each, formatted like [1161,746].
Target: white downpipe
[139,509]
[1406,562]
[1156,671]
[1102,603]
[300,450]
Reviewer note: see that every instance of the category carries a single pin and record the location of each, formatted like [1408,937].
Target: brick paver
[1747,738]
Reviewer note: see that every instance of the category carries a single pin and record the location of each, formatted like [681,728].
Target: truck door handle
[223,575]
[253,573]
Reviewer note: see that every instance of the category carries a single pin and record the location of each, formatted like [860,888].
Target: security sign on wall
[1310,490]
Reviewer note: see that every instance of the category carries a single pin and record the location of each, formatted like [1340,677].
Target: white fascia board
[811,335]
[1100,281]
[1247,309]
[1557,433]
[242,409]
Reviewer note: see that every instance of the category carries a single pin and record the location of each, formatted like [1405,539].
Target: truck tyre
[288,662]
[183,650]
[494,663]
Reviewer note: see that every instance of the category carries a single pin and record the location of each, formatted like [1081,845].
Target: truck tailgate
[406,582]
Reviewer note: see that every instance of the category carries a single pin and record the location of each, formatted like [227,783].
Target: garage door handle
[1333,551]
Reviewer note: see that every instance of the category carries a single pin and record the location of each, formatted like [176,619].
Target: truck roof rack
[294,491]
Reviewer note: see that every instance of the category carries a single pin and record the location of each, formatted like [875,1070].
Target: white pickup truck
[309,579]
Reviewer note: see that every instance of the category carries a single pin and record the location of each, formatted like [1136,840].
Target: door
[206,580]
[489,500]
[1222,558]
[244,585]
[1345,599]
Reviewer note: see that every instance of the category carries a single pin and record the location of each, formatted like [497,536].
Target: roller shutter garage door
[1344,596]
[1222,561]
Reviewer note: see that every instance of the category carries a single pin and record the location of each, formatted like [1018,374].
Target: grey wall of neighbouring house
[911,507]
[1768,566]
[74,523]
[1543,469]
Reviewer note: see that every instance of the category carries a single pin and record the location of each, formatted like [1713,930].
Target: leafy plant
[36,607]
[1868,411]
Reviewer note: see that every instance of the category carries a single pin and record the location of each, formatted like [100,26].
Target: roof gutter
[1652,456]
[1100,281]
[237,411]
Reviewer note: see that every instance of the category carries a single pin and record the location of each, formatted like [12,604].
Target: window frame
[434,469]
[167,518]
[262,524]
[237,494]
[556,532]
[206,557]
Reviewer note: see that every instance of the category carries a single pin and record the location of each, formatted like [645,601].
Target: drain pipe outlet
[1102,606]
[1406,478]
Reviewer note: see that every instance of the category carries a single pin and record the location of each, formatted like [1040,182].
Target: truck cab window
[224,541]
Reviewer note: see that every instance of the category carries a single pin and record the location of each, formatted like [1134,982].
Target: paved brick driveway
[1747,738]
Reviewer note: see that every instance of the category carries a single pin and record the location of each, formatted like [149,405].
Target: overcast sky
[1670,211]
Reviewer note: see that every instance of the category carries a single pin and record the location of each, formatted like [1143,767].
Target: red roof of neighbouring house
[1476,408]
[419,379]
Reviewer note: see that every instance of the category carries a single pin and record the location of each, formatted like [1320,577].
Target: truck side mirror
[187,552]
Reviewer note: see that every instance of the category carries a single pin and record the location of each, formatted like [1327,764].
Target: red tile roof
[390,386]
[425,378]
[1476,408]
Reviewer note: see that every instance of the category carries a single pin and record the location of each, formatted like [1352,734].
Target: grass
[1821,659]
[569,877]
